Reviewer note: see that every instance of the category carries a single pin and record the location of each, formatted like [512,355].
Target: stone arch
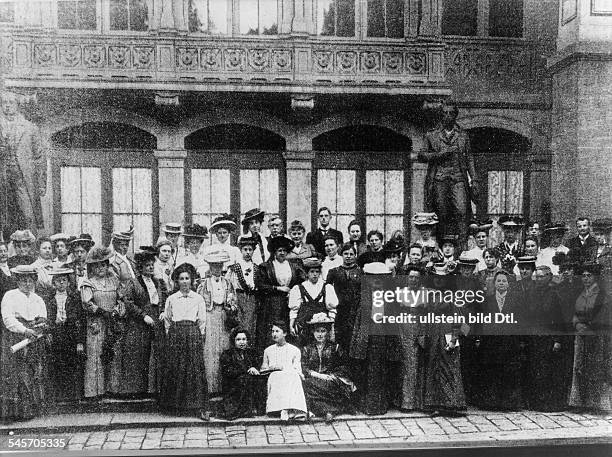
[252,118]
[471,121]
[75,117]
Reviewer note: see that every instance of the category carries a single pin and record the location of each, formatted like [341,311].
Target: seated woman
[327,385]
[243,387]
[283,361]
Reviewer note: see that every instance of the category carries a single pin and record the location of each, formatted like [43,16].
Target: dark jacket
[582,253]
[317,239]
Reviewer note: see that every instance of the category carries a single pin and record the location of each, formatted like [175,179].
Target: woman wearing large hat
[194,235]
[592,368]
[274,279]
[99,294]
[327,383]
[251,223]
[23,241]
[223,227]
[23,374]
[426,224]
[79,247]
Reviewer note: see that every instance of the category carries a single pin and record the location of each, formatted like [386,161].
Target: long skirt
[247,312]
[285,392]
[323,396]
[443,382]
[129,367]
[591,383]
[23,378]
[96,372]
[413,372]
[66,368]
[183,384]
[155,359]
[273,306]
[546,385]
[216,341]
[245,398]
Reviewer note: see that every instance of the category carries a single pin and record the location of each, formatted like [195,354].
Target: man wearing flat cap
[451,182]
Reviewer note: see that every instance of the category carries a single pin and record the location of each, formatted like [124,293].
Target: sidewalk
[146,431]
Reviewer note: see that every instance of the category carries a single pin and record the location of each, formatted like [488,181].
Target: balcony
[293,64]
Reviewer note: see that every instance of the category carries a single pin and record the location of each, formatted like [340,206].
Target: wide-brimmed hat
[84,239]
[246,240]
[280,242]
[145,254]
[526,260]
[311,262]
[195,231]
[511,221]
[216,257]
[126,235]
[590,267]
[59,271]
[184,267]
[604,224]
[376,268]
[23,235]
[59,237]
[253,214]
[453,239]
[555,227]
[480,225]
[226,221]
[425,219]
[321,319]
[392,246]
[173,227]
[465,260]
[99,254]
[24,270]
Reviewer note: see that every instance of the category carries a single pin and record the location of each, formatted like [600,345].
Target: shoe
[205,416]
[329,417]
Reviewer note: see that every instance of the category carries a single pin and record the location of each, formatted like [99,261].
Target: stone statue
[23,168]
[451,182]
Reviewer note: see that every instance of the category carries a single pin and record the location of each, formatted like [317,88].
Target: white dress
[284,387]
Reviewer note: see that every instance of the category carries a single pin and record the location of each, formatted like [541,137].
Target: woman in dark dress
[69,334]
[244,390]
[183,382]
[501,352]
[356,237]
[327,384]
[274,279]
[375,251]
[444,394]
[377,356]
[591,383]
[346,280]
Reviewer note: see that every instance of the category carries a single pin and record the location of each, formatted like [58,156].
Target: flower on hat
[320,318]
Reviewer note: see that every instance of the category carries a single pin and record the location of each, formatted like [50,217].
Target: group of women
[275,326]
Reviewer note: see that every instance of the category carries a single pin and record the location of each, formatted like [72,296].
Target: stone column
[302,13]
[171,179]
[431,19]
[299,159]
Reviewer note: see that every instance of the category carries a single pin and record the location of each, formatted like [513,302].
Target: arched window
[363,178]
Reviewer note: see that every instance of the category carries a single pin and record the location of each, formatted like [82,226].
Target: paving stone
[195,443]
[150,444]
[130,446]
[133,439]
[93,447]
[136,432]
[111,445]
[75,447]
[171,444]
[79,438]
[310,437]
[174,437]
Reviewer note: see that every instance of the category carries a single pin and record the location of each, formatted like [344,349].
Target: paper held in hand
[22,344]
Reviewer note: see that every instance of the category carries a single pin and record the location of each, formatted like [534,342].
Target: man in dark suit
[583,247]
[317,236]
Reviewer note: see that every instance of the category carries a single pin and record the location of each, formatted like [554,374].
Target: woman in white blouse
[22,378]
[285,392]
[183,384]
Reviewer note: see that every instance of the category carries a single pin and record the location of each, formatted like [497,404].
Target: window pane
[87,14]
[220,191]
[506,18]
[497,190]
[92,189]
[122,190]
[346,192]
[71,223]
[326,189]
[375,192]
[217,16]
[459,17]
[326,17]
[346,17]
[66,14]
[268,17]
[514,192]
[341,223]
[141,195]
[249,190]
[268,191]
[200,191]
[394,192]
[7,12]
[92,224]
[249,15]
[81,201]
[376,18]
[71,190]
[393,223]
[395,18]
[119,15]
[375,223]
[138,15]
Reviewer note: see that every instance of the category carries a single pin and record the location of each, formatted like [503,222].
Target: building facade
[179,110]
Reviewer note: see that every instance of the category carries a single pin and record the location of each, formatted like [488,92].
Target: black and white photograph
[296,226]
